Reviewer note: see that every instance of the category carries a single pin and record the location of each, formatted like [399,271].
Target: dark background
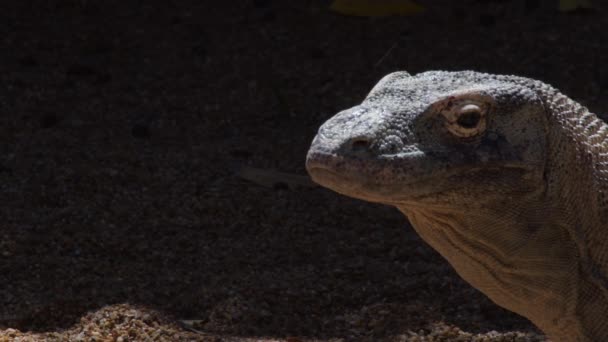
[124,130]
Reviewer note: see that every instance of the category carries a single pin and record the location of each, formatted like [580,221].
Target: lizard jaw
[382,179]
[364,179]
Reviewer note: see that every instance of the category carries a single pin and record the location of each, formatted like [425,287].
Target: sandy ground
[125,127]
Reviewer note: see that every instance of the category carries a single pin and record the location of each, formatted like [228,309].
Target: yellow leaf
[572,5]
[376,8]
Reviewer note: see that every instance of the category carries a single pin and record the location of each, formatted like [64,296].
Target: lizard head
[434,138]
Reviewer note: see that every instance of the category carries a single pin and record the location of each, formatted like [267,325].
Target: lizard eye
[466,119]
[469,119]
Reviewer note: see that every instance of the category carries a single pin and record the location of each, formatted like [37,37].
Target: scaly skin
[504,176]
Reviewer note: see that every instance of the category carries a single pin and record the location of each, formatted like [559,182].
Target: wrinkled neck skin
[578,164]
[510,255]
[542,254]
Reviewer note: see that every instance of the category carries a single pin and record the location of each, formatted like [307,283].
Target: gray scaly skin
[504,176]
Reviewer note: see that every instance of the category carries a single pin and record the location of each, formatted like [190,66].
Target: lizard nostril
[359,144]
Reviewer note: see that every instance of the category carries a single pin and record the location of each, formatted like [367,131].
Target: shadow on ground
[123,125]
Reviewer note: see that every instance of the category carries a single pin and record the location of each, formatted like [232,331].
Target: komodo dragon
[504,176]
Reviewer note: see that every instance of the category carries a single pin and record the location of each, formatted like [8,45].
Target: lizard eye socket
[466,119]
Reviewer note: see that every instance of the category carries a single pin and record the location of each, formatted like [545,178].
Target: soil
[124,130]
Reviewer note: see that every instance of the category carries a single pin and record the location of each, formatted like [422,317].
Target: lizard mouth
[341,183]
[397,179]
[375,181]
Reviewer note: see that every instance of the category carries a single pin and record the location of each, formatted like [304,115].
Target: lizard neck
[522,257]
[577,157]
[510,253]
[577,183]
